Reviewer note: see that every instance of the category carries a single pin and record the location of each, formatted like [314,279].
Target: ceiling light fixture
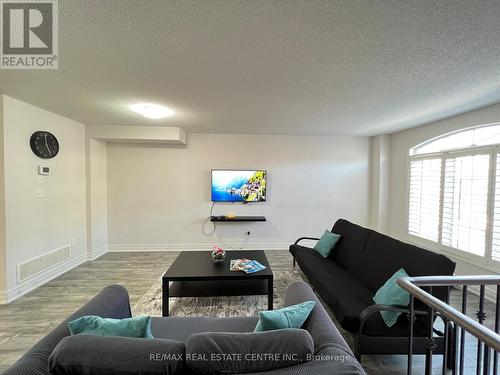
[150,110]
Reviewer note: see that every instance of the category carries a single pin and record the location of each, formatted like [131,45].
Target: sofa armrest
[305,238]
[111,302]
[299,292]
[370,310]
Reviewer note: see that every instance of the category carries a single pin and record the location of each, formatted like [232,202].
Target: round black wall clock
[44,144]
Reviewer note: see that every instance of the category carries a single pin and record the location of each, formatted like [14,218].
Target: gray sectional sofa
[174,335]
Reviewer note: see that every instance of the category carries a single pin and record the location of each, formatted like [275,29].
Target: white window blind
[465,203]
[495,241]
[425,185]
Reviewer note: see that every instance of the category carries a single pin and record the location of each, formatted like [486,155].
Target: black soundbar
[224,218]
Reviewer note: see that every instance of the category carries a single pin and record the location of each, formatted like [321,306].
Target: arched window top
[484,135]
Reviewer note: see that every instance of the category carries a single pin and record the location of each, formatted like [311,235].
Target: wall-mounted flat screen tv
[239,186]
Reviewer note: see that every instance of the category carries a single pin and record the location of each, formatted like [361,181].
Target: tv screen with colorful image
[238,186]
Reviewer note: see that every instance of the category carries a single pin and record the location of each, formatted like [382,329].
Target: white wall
[97,203]
[379,182]
[158,196]
[400,145]
[36,226]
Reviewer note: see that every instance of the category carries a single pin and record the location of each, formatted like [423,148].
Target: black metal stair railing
[488,340]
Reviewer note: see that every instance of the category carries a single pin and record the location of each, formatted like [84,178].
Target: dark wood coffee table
[193,274]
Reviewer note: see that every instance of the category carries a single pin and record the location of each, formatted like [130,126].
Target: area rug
[150,303]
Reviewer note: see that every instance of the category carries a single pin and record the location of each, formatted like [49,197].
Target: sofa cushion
[236,353]
[351,245]
[288,317]
[384,255]
[392,294]
[103,355]
[326,243]
[181,328]
[345,295]
[138,327]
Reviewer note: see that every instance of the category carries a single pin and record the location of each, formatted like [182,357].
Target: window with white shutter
[465,203]
[454,193]
[425,182]
[495,241]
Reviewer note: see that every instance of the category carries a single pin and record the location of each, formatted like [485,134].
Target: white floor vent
[36,265]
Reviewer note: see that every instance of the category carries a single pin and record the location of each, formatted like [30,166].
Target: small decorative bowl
[217,255]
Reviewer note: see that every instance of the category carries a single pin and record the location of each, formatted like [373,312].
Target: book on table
[246,265]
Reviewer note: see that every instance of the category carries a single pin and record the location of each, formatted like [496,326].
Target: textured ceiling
[270,67]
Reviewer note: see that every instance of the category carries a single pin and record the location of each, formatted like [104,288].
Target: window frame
[486,261]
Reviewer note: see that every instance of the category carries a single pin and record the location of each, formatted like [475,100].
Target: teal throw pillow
[392,294]
[288,317]
[139,327]
[326,243]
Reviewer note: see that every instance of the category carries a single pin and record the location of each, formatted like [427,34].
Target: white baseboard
[193,247]
[40,279]
[93,255]
[3,297]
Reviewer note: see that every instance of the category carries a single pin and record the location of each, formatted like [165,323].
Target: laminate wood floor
[25,321]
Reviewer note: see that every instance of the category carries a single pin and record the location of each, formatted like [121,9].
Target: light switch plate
[43,170]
